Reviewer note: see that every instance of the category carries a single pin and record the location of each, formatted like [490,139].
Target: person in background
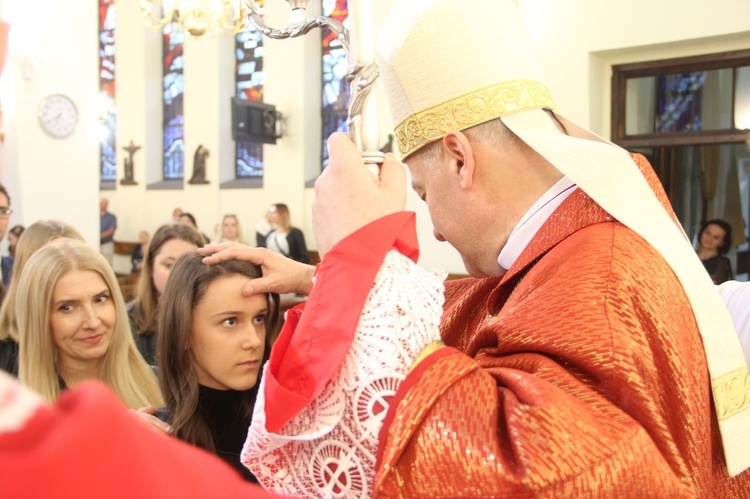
[6,263]
[714,241]
[169,243]
[108,226]
[230,230]
[137,257]
[176,214]
[188,218]
[13,235]
[212,344]
[73,327]
[282,238]
[35,237]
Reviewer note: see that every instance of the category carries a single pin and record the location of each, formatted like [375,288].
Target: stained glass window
[108,154]
[335,86]
[249,80]
[679,102]
[173,91]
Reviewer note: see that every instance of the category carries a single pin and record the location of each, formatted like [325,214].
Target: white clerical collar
[533,220]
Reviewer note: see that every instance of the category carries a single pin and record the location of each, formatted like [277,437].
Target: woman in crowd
[230,230]
[282,237]
[167,245]
[73,326]
[714,241]
[188,218]
[36,236]
[212,345]
[14,234]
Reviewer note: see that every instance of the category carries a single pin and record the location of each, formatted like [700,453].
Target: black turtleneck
[227,414]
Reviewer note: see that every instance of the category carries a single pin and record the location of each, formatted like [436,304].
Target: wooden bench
[128,285]
[128,281]
[125,248]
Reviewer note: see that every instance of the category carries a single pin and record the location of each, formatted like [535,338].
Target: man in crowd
[581,360]
[108,226]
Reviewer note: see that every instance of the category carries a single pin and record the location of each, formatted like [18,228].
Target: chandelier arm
[147,12]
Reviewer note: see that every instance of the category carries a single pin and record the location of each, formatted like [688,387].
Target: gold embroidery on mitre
[731,393]
[469,110]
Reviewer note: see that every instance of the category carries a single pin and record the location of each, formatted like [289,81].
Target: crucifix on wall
[128,163]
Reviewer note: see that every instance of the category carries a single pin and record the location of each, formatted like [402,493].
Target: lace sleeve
[329,449]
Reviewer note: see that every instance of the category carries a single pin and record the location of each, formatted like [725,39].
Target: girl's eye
[102,298]
[259,319]
[230,322]
[66,308]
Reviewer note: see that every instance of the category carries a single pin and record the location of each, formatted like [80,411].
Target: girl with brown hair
[212,343]
[169,243]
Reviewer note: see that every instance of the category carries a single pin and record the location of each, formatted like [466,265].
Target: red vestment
[86,445]
[581,372]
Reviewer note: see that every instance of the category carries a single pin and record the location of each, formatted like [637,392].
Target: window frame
[622,72]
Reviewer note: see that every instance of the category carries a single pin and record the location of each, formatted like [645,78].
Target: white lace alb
[329,449]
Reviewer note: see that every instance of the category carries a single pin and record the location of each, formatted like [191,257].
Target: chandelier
[197,17]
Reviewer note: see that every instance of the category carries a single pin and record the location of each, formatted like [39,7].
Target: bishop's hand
[348,196]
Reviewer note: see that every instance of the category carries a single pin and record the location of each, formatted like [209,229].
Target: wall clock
[58,115]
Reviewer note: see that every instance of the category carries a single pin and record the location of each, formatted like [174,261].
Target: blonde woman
[73,327]
[36,236]
[283,238]
[231,231]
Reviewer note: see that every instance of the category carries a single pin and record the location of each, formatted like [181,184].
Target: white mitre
[449,65]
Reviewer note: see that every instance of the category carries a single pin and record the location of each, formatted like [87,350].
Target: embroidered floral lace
[329,449]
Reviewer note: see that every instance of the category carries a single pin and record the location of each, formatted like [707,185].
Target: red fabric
[581,373]
[309,352]
[87,445]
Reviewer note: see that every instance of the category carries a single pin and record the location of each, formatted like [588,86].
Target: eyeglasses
[5,212]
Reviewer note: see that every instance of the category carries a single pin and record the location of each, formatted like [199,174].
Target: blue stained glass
[334,111]
[108,151]
[679,102]
[249,81]
[173,91]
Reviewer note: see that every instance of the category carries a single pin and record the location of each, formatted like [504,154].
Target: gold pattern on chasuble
[469,110]
[731,393]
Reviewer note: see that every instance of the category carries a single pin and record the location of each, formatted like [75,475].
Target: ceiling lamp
[197,17]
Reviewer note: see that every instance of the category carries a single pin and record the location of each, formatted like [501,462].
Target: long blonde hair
[285,220]
[123,368]
[37,235]
[239,229]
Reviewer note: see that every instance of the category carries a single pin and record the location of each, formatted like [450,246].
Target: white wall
[47,177]
[577,41]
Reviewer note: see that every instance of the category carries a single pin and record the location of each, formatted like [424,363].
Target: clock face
[58,115]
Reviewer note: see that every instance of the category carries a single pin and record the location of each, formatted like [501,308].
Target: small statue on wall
[128,163]
[199,166]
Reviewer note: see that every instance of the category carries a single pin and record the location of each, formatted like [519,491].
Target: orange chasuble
[580,373]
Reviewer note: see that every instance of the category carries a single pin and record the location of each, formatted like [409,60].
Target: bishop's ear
[458,150]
